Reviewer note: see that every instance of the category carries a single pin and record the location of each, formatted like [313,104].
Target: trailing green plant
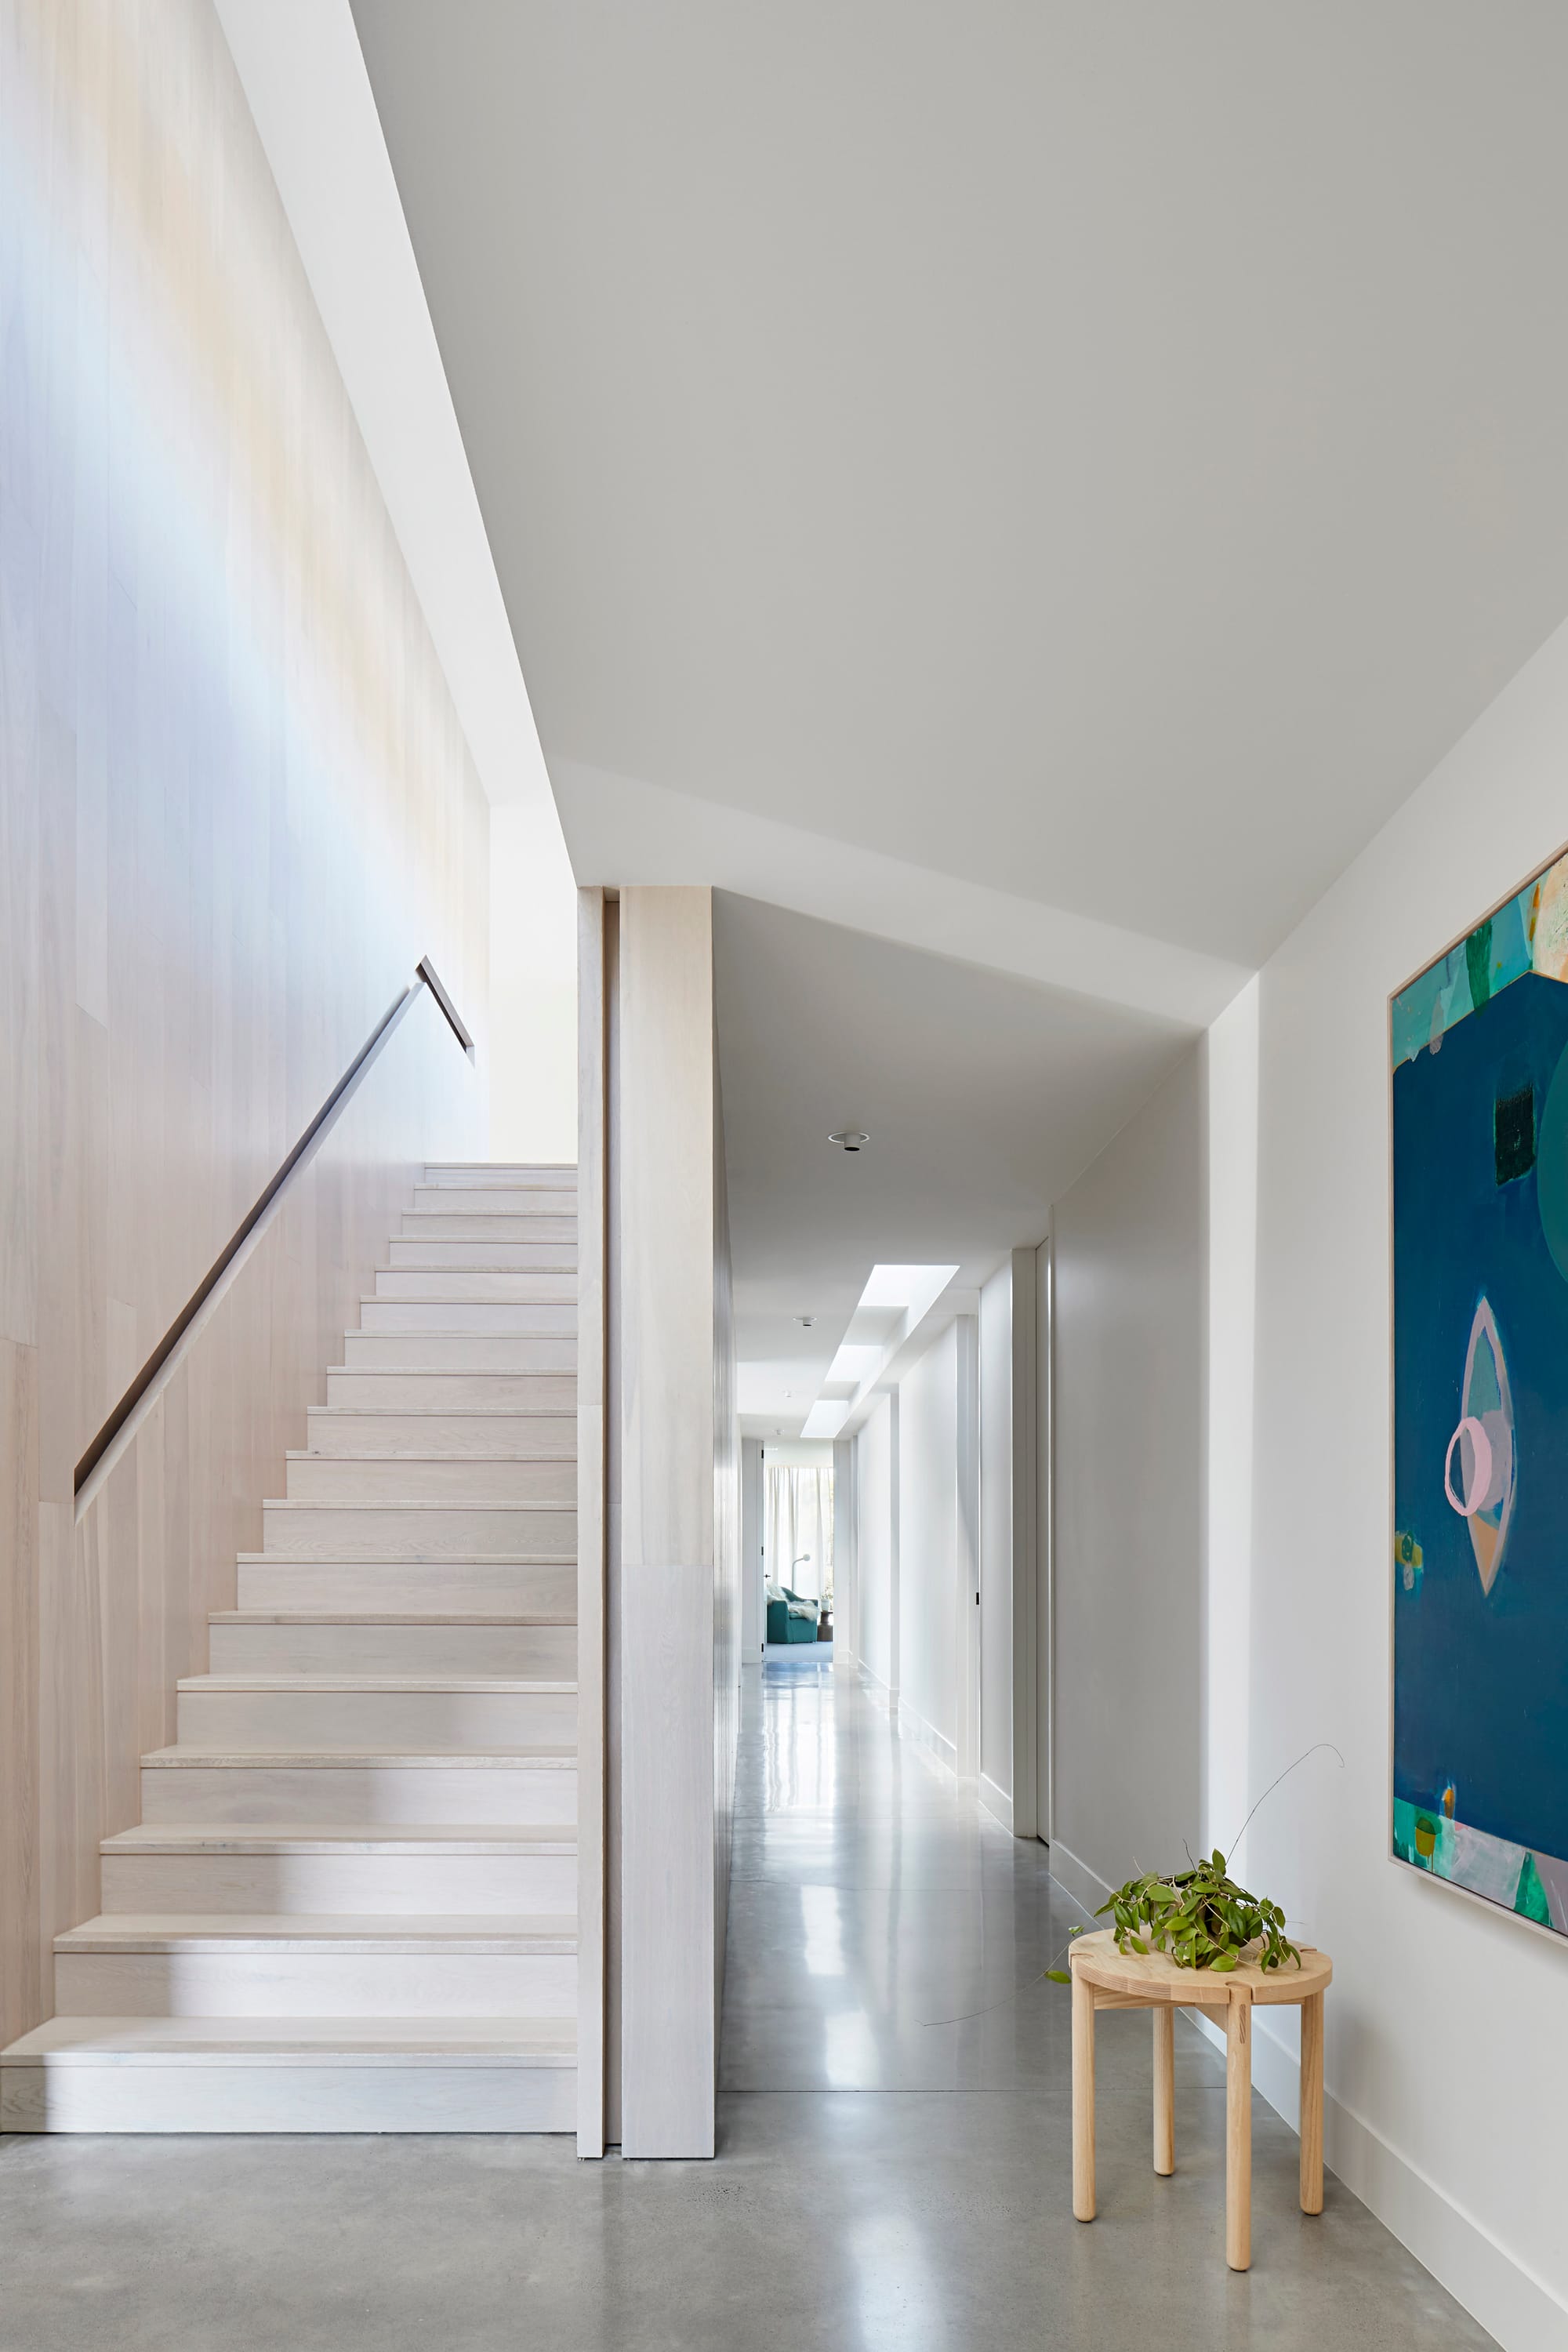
[1198,1917]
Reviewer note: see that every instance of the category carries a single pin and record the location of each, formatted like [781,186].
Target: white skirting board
[1509,2301]
[881,1694]
[996,1801]
[1086,1888]
[1495,2288]
[926,1736]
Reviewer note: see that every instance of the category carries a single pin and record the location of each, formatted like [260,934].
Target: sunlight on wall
[534,989]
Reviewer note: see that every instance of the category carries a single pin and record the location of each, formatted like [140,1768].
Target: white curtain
[800,1519]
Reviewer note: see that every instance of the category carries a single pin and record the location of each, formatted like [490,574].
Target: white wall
[996,1543]
[533,988]
[1448,2062]
[753,1617]
[1229,1054]
[1043,1535]
[846,1605]
[877,1541]
[928,1541]
[1130,1313]
[938,1472]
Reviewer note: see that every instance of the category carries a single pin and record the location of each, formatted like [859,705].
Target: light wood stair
[350,1904]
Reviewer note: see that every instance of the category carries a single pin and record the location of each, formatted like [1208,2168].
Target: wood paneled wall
[235,807]
[593,1507]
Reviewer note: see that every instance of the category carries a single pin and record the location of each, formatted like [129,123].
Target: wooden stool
[1103,1977]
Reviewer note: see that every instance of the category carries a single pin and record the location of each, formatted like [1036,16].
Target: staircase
[351,1902]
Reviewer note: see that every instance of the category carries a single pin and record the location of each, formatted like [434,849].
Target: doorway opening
[797,1548]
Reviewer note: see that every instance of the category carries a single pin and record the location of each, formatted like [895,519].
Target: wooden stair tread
[492,1685]
[341,1837]
[561,1277]
[446,1560]
[417,1503]
[324,2041]
[522,1206]
[479,1266]
[466,1461]
[347,1931]
[379,1339]
[387,1617]
[551,1757]
[443,1411]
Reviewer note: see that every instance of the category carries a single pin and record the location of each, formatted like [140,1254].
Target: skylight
[901,1296]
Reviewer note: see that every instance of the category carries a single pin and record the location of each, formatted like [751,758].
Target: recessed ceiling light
[849,1138]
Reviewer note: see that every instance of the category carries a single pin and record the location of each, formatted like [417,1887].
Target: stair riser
[527,1173]
[521,1434]
[435,1531]
[392,1586]
[442,1722]
[486,1252]
[436,1226]
[399,1796]
[286,2098]
[395,1478]
[530,1652]
[457,1351]
[457,1391]
[315,1983]
[526,1286]
[517,1316]
[395,1886]
[475,1199]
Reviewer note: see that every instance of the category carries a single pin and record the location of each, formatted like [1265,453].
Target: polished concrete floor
[894,2165]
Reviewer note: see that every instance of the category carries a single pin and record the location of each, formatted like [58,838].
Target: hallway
[889,2048]
[894,2154]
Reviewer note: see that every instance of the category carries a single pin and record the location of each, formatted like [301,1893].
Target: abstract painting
[1479,1050]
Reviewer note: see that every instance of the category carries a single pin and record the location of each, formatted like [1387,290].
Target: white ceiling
[1040,484]
[1103,453]
[985,1097]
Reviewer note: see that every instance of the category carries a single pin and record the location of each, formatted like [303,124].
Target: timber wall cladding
[235,807]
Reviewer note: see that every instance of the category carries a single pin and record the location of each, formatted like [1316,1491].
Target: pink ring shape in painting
[1480,1468]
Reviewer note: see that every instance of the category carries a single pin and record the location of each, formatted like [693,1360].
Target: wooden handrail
[117,1431]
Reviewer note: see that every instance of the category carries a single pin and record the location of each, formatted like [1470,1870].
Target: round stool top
[1150,1977]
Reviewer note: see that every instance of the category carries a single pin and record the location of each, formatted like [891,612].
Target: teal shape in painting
[1552,1167]
[1495,953]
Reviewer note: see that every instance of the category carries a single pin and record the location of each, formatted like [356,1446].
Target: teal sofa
[792,1619]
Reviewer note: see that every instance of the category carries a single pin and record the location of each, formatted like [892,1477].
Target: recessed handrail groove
[117,1431]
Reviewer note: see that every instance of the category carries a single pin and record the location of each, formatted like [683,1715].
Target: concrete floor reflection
[895,2149]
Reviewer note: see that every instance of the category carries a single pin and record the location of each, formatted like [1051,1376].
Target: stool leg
[1238,2131]
[1313,2104]
[1164,2088]
[1082,2098]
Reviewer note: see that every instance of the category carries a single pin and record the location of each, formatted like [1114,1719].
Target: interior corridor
[894,2154]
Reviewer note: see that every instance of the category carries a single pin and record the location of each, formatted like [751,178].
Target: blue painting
[1480,1410]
